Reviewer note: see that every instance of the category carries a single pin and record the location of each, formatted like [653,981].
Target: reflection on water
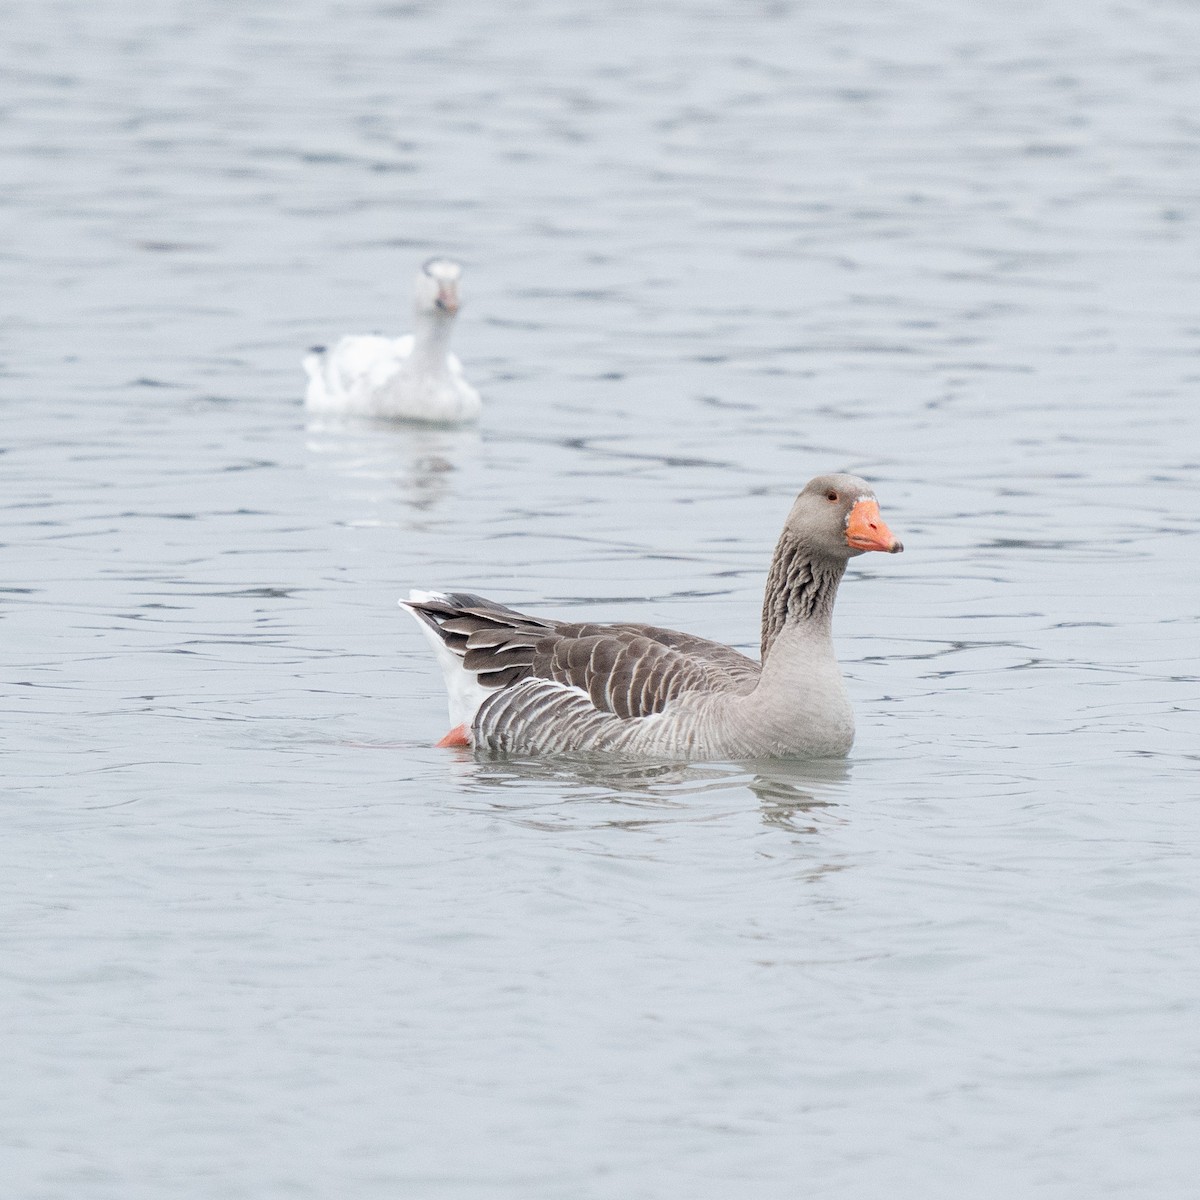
[788,798]
[786,790]
[391,462]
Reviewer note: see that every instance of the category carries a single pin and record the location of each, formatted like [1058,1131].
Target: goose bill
[865,529]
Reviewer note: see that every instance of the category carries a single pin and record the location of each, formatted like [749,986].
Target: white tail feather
[464,691]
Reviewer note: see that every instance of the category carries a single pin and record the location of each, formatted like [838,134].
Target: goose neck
[431,338]
[801,590]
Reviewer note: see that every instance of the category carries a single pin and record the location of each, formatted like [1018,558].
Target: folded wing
[565,680]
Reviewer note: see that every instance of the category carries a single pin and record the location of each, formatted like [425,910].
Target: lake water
[260,939]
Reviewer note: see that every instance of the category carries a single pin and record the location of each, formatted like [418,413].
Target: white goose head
[436,290]
[837,517]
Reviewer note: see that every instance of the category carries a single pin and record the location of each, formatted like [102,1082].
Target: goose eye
[831,496]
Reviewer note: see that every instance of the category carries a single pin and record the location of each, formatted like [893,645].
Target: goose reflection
[790,792]
[418,462]
[787,792]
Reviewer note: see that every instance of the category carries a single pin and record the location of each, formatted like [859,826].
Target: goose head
[837,517]
[436,291]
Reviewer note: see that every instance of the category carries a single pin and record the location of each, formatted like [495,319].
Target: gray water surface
[260,939]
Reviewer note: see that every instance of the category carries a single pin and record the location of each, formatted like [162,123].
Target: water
[260,939]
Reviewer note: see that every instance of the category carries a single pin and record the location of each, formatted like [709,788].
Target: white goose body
[528,685]
[410,378]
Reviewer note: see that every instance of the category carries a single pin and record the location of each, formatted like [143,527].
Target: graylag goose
[531,685]
[412,378]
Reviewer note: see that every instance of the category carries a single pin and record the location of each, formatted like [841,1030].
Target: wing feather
[629,674]
[572,681]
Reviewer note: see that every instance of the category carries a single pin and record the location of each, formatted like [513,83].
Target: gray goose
[531,685]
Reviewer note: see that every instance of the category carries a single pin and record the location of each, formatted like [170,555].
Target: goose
[412,378]
[525,685]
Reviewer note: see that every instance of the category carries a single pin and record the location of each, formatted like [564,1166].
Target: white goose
[528,685]
[411,378]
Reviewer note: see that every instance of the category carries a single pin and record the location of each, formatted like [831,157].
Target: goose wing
[368,359]
[592,686]
[560,672]
[637,670]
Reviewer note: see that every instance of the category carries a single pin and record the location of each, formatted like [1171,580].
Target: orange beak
[865,529]
[447,299]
